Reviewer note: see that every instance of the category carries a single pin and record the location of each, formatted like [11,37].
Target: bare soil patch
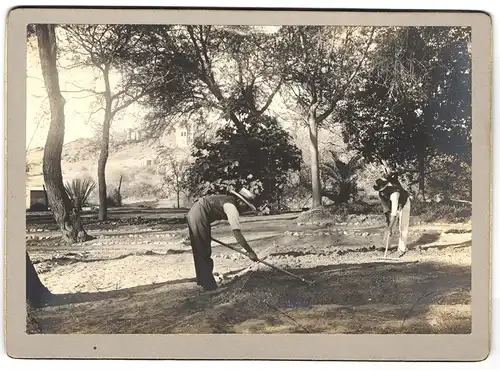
[140,279]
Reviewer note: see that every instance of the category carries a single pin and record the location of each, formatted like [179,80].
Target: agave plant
[79,191]
[341,177]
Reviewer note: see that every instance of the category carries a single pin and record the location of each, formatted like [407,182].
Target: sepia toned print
[249,179]
[163,122]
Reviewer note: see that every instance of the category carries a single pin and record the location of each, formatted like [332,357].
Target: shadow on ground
[426,238]
[346,298]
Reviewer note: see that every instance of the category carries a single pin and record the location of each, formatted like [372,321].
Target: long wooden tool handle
[230,247]
[286,272]
[387,244]
[263,262]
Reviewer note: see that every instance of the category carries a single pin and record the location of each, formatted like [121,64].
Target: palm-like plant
[79,192]
[341,178]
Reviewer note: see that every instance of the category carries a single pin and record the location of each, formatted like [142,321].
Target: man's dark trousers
[200,237]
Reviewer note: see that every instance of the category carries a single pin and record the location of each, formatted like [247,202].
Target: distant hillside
[135,161]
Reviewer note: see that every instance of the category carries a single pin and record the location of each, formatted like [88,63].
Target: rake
[264,262]
[387,242]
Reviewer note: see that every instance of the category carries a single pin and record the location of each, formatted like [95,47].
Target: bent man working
[207,210]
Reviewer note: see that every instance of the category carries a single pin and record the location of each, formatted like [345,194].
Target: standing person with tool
[207,210]
[395,202]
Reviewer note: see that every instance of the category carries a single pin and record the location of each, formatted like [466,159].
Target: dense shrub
[115,199]
[340,179]
[258,155]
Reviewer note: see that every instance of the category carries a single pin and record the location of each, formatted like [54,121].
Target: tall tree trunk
[37,295]
[104,154]
[178,197]
[421,175]
[178,190]
[315,174]
[71,228]
[36,292]
[101,171]
[422,155]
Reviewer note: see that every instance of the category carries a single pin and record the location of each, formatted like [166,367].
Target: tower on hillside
[181,137]
[133,134]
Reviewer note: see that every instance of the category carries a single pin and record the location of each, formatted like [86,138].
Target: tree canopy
[415,107]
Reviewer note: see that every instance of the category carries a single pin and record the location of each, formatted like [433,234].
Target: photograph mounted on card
[234,184]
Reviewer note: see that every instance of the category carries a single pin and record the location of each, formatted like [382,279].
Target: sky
[78,107]
[80,122]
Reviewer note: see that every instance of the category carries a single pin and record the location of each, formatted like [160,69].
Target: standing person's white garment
[404,219]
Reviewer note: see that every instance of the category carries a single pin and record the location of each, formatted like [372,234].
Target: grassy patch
[446,211]
[426,212]
[356,208]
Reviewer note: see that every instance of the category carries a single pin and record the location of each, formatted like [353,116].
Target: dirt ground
[140,279]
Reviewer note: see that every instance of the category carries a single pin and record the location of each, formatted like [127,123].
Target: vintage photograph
[216,179]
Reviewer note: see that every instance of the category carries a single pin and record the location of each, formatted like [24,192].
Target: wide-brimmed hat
[392,176]
[246,196]
[380,184]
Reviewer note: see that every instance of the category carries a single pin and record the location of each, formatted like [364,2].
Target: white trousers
[404,223]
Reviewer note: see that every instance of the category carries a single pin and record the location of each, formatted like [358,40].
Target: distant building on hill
[133,134]
[181,137]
